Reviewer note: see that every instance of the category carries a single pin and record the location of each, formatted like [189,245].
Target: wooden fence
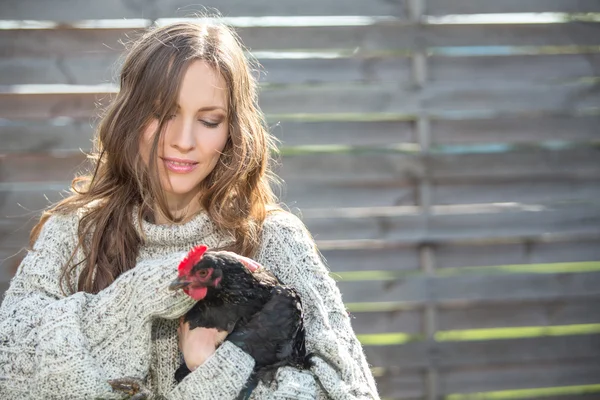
[445,157]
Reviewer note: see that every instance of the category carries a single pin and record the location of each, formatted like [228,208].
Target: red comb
[193,257]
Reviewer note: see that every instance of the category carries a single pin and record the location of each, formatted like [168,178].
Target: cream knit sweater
[54,346]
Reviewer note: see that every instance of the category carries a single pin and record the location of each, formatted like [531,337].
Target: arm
[54,346]
[339,364]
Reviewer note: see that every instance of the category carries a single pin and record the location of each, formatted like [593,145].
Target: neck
[182,208]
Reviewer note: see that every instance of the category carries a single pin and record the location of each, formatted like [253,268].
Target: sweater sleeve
[222,376]
[54,346]
[340,369]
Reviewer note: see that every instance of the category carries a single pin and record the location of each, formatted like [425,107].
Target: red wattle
[197,293]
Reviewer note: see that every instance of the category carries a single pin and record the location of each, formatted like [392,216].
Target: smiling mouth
[179,166]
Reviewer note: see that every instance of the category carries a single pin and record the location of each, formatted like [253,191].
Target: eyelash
[211,125]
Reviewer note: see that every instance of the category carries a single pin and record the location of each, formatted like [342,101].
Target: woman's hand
[198,344]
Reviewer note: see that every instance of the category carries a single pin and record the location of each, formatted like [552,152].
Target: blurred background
[444,153]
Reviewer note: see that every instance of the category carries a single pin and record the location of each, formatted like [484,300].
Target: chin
[180,190]
[182,187]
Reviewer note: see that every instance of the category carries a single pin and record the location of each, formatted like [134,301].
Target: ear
[192,258]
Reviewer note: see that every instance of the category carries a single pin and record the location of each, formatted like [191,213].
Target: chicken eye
[203,273]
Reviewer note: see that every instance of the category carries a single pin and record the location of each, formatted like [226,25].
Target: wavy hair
[236,194]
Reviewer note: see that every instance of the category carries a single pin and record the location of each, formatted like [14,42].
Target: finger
[221,337]
[248,262]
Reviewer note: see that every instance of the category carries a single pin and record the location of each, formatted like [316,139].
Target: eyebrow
[208,108]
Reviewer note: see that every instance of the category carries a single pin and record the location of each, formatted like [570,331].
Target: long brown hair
[236,194]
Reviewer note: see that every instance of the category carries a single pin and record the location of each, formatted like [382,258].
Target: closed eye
[211,125]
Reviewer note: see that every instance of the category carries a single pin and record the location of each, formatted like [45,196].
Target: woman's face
[194,137]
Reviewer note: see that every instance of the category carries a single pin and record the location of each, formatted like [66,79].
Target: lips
[180,166]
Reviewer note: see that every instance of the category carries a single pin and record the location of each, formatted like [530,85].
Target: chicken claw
[134,387]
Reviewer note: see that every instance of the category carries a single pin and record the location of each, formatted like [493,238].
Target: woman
[181,159]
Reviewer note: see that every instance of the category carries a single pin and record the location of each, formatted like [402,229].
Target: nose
[182,137]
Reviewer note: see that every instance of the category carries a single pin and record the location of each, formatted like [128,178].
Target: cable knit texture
[54,346]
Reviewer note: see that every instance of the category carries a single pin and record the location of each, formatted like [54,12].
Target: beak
[179,284]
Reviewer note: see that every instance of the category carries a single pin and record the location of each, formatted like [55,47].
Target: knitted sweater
[54,346]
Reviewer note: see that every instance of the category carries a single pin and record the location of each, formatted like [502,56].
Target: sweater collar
[174,234]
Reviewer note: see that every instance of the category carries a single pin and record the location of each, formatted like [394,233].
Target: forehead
[202,86]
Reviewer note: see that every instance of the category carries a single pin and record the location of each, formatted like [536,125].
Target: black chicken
[245,301]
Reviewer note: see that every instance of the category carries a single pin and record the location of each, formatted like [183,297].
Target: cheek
[147,139]
[218,143]
[213,146]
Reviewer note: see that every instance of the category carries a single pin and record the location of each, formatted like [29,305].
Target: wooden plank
[40,168]
[513,68]
[79,102]
[515,129]
[73,10]
[363,37]
[442,7]
[541,165]
[515,287]
[406,321]
[522,192]
[81,69]
[484,316]
[503,97]
[9,261]
[397,259]
[581,348]
[535,350]
[553,34]
[43,136]
[14,237]
[514,377]
[409,356]
[407,385]
[366,168]
[298,194]
[589,396]
[23,201]
[474,289]
[487,316]
[383,68]
[583,396]
[353,133]
[96,69]
[456,256]
[543,68]
[3,287]
[53,43]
